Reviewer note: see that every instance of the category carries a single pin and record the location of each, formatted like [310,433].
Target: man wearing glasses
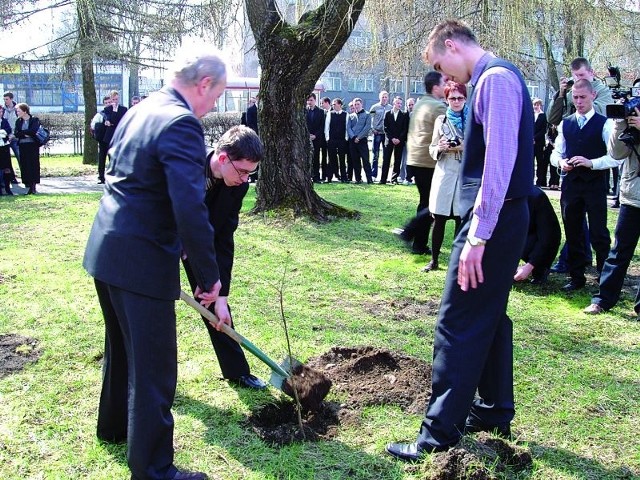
[227,175]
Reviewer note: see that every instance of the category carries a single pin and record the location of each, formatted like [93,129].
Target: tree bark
[292,58]
[87,39]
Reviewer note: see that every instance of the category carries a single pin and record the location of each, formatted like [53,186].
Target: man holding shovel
[228,169]
[152,209]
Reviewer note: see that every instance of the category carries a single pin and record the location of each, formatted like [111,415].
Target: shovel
[278,374]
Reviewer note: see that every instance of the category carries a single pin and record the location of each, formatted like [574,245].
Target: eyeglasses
[243,172]
[456,99]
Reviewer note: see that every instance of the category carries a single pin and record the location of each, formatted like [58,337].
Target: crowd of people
[18,134]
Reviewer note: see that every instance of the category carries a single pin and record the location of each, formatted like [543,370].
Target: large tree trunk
[87,41]
[292,58]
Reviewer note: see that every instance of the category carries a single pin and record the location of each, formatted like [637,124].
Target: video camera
[631,96]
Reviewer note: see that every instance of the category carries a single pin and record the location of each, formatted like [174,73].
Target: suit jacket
[543,237]
[252,118]
[114,116]
[540,129]
[425,112]
[153,204]
[224,204]
[396,128]
[315,122]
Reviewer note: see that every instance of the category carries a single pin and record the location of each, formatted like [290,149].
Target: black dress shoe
[572,286]
[249,381]
[410,452]
[421,251]
[190,476]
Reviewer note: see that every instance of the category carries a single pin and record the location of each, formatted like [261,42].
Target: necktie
[582,120]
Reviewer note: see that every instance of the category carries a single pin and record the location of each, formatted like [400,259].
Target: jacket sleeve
[556,110]
[185,184]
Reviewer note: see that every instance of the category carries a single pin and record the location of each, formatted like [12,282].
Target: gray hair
[193,69]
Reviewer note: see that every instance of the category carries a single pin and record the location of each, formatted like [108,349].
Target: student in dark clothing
[543,239]
[227,171]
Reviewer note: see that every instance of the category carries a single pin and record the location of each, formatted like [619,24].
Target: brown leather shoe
[594,309]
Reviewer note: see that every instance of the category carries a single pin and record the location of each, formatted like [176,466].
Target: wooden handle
[211,317]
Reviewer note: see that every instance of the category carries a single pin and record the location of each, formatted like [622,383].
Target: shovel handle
[209,315]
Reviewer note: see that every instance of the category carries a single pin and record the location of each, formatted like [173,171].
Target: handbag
[42,135]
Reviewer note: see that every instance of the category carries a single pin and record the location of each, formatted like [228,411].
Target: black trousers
[337,150]
[315,173]
[420,225]
[579,197]
[103,148]
[231,358]
[139,379]
[473,343]
[396,151]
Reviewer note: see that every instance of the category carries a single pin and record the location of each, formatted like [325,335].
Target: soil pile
[471,456]
[15,352]
[366,376]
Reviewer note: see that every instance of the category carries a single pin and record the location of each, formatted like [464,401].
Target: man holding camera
[581,153]
[628,226]
[563,104]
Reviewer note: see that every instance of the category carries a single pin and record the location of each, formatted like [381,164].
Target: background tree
[292,57]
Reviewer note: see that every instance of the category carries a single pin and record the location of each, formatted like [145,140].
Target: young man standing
[473,349]
[378,111]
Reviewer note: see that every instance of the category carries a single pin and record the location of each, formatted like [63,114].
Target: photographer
[563,104]
[581,153]
[628,226]
[446,148]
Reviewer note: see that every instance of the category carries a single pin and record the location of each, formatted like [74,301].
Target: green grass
[577,377]
[63,166]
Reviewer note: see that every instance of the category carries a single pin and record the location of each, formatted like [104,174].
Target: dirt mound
[366,376]
[469,459]
[15,352]
[374,376]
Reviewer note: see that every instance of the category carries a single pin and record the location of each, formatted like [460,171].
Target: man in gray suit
[152,210]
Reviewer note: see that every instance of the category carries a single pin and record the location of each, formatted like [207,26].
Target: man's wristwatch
[475,241]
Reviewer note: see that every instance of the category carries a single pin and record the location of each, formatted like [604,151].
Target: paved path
[81,184]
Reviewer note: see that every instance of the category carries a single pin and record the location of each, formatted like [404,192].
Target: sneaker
[559,268]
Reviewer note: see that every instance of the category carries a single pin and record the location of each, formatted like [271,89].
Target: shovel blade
[288,365]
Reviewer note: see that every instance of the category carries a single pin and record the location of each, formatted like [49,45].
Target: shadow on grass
[318,460]
[577,466]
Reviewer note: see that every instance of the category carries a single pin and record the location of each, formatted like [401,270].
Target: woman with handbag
[25,131]
[446,148]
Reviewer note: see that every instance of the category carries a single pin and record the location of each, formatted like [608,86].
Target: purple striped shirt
[498,107]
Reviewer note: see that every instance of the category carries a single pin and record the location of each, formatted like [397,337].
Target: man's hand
[221,309]
[207,298]
[563,87]
[565,165]
[580,161]
[470,267]
[395,141]
[523,272]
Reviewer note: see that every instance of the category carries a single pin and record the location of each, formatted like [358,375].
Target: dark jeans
[563,259]
[378,141]
[615,267]
[360,159]
[420,225]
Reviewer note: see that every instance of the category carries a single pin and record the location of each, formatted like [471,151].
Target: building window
[417,86]
[360,39]
[396,86]
[361,84]
[332,81]
[533,90]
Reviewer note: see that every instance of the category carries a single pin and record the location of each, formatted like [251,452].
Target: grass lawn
[577,377]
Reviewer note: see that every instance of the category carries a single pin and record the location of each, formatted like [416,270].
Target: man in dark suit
[472,380]
[581,153]
[113,113]
[236,156]
[250,117]
[396,126]
[152,210]
[315,125]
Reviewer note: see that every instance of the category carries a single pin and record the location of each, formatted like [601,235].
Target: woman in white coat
[446,146]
